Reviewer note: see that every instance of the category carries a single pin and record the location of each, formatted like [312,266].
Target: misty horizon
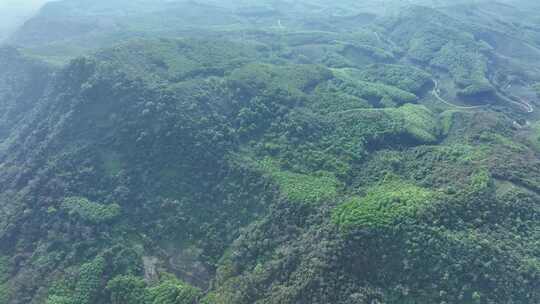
[14,13]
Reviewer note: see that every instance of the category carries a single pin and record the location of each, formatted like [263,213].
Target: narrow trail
[435,93]
[178,267]
[181,268]
[280,26]
[525,105]
[378,37]
[522,103]
[388,40]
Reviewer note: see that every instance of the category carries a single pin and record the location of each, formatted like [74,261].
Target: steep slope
[22,83]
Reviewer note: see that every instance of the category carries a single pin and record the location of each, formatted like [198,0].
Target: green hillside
[258,152]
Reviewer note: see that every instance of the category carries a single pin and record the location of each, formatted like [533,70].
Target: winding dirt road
[525,105]
[522,103]
[435,93]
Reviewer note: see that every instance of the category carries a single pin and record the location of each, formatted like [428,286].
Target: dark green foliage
[360,54]
[4,267]
[476,89]
[178,59]
[270,152]
[22,83]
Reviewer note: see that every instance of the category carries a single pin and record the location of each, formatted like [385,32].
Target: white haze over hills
[14,12]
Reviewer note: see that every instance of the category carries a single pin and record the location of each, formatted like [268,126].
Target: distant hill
[15,13]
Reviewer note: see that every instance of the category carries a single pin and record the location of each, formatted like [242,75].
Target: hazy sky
[21,4]
[14,12]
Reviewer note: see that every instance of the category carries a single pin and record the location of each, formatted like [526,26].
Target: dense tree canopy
[219,152]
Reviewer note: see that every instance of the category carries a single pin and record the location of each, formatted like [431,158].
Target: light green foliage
[4,276]
[61,292]
[481,180]
[476,297]
[112,163]
[408,122]
[447,121]
[463,153]
[536,88]
[303,188]
[55,299]
[377,93]
[169,290]
[534,135]
[383,205]
[4,263]
[419,121]
[367,37]
[89,283]
[172,291]
[83,289]
[294,79]
[127,290]
[4,293]
[407,78]
[90,211]
[362,53]
[500,140]
[327,101]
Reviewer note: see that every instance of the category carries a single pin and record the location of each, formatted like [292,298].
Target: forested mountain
[241,152]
